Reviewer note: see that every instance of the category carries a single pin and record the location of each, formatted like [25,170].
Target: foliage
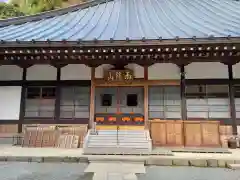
[9,10]
[30,7]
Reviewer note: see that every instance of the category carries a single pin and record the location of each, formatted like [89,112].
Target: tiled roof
[129,19]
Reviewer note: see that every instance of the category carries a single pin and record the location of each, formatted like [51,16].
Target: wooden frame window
[207,101]
[40,102]
[164,102]
[74,102]
[237,99]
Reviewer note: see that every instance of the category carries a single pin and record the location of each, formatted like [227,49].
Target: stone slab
[180,162]
[110,158]
[198,162]
[201,150]
[234,166]
[212,163]
[159,161]
[222,163]
[114,176]
[115,167]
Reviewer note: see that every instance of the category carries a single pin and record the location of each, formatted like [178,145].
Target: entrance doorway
[119,106]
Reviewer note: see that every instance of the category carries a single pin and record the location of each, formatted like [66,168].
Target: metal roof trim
[123,43]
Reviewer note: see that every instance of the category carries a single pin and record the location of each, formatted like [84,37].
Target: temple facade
[123,63]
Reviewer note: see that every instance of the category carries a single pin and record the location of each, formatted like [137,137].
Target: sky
[3,0]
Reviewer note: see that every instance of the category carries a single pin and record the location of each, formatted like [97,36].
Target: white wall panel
[41,72]
[236,70]
[206,70]
[10,72]
[164,71]
[76,72]
[137,70]
[10,97]
[99,71]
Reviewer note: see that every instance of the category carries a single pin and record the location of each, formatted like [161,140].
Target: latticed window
[74,102]
[207,101]
[40,101]
[237,100]
[164,102]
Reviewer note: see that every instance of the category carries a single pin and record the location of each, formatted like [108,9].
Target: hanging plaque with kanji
[118,75]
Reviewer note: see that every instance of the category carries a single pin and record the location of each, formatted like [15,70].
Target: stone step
[120,135]
[112,142]
[119,141]
[116,138]
[128,131]
[109,133]
[123,150]
[119,146]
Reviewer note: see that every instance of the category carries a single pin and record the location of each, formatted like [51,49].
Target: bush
[9,10]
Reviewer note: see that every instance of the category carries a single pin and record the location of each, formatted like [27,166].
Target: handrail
[86,139]
[117,134]
[95,128]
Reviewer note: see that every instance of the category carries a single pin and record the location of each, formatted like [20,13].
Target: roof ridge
[50,14]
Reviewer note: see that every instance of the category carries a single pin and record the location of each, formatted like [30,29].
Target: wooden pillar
[232,100]
[183,100]
[22,101]
[146,98]
[92,98]
[183,95]
[58,97]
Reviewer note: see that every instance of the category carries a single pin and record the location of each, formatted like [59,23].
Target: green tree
[9,10]
[30,7]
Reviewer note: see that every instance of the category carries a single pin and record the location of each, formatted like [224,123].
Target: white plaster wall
[99,71]
[137,70]
[10,102]
[10,72]
[76,72]
[206,70]
[41,72]
[163,71]
[236,70]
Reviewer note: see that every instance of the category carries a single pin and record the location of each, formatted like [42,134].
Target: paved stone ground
[61,171]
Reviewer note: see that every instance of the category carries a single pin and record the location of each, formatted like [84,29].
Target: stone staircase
[117,142]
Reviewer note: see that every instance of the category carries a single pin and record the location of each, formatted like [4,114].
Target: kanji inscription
[119,75]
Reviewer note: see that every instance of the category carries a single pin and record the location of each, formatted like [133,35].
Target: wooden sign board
[119,75]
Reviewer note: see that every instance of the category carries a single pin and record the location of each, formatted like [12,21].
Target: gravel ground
[63,171]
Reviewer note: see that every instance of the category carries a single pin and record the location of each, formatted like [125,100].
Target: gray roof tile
[133,19]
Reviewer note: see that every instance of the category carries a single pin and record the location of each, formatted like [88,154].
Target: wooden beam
[92,99]
[146,98]
[136,82]
[232,100]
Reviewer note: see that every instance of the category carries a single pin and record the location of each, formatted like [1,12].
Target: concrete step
[121,150]
[119,141]
[129,147]
[119,144]
[114,138]
[112,142]
[119,132]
